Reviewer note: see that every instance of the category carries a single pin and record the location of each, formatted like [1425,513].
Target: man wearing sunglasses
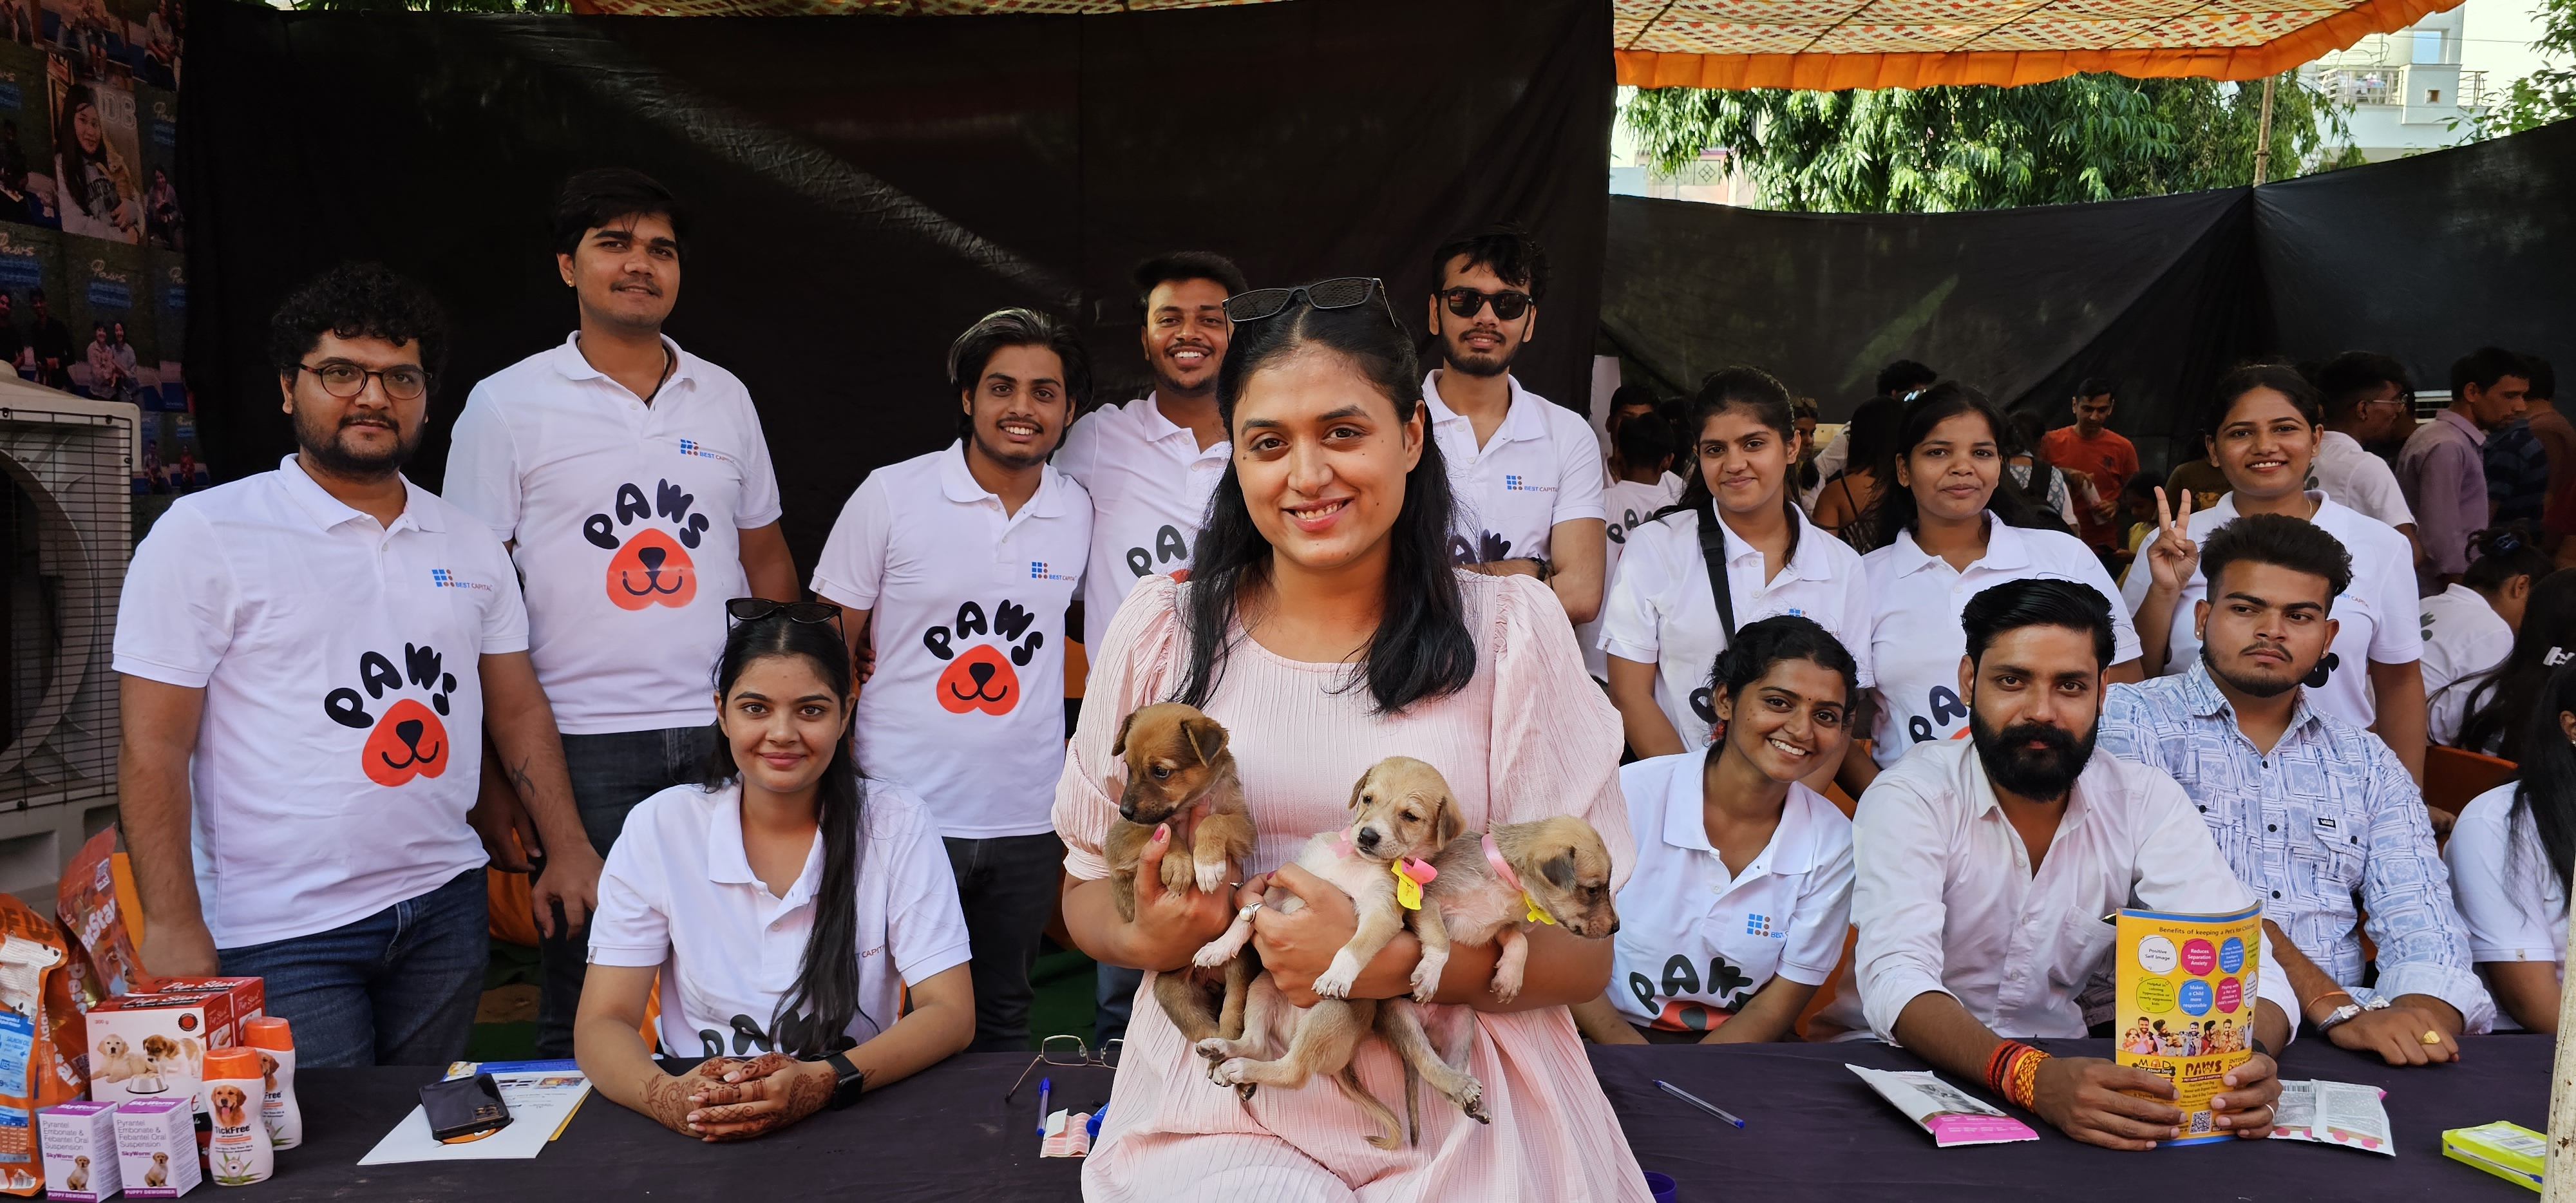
[1527,473]
[1149,466]
[633,485]
[310,658]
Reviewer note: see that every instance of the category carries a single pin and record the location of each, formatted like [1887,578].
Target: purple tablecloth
[1814,1132]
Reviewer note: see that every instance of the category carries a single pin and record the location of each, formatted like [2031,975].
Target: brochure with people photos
[2186,1004]
[1951,1115]
[2334,1113]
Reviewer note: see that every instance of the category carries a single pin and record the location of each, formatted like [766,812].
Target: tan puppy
[1180,773]
[159,1174]
[114,1060]
[226,1102]
[1404,811]
[78,1179]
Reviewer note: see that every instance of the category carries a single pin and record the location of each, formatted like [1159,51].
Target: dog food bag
[86,903]
[274,1039]
[41,1041]
[80,1151]
[156,1148]
[240,1152]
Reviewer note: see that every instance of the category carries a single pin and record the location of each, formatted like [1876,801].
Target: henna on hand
[785,1097]
[666,1100]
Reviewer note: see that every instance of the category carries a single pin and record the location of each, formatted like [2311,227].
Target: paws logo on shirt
[652,565]
[1487,548]
[1628,521]
[2316,678]
[407,739]
[982,677]
[1169,548]
[1945,705]
[1728,983]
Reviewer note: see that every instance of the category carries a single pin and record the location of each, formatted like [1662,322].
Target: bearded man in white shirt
[1984,868]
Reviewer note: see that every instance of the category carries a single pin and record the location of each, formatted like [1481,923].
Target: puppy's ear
[1118,746]
[1360,787]
[1449,825]
[1559,870]
[1206,736]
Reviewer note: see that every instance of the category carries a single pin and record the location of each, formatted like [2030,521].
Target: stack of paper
[1952,1117]
[542,1096]
[2334,1113]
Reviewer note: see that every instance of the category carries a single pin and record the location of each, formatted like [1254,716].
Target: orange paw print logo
[651,566]
[408,739]
[983,676]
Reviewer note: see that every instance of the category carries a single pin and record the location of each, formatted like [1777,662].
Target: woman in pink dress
[1325,628]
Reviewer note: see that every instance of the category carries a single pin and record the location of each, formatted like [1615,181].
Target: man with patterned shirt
[2309,809]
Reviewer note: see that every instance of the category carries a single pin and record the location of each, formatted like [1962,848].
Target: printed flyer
[2186,1003]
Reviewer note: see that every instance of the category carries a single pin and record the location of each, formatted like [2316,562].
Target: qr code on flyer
[2200,1123]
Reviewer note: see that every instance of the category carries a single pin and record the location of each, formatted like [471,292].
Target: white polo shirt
[1628,504]
[2358,480]
[2376,616]
[1659,610]
[967,705]
[342,738]
[678,894]
[2463,636]
[1695,942]
[625,519]
[1915,637]
[2509,896]
[1541,467]
[1149,482]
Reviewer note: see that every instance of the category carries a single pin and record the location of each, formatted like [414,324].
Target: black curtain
[864,187]
[2423,258]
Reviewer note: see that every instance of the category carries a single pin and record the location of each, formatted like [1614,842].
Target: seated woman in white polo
[786,905]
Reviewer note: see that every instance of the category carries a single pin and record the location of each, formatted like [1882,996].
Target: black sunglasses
[1345,292]
[1509,304]
[754,609]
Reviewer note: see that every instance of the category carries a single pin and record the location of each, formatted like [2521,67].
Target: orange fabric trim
[1835,72]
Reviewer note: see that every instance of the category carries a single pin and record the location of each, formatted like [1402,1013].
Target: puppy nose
[1368,837]
[1127,811]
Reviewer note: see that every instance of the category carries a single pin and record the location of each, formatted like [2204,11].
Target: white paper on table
[2334,1113]
[541,1103]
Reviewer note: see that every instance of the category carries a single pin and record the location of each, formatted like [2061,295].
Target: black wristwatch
[847,1081]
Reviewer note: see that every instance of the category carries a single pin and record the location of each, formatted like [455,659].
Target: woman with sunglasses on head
[2469,626]
[787,904]
[1665,621]
[2495,702]
[1957,533]
[2262,433]
[1325,627]
[2510,855]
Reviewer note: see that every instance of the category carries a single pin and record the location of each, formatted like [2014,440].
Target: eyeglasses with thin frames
[1068,1052]
[402,382]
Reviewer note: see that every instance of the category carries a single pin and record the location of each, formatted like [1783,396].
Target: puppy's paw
[1217,1049]
[1235,1071]
[1426,974]
[1471,1099]
[1335,981]
[1217,951]
[1178,873]
[1211,877]
[1507,984]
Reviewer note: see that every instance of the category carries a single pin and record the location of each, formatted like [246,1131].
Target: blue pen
[1696,1101]
[1048,1084]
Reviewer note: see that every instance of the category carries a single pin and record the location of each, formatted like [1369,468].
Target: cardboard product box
[152,1046]
[156,1148]
[80,1151]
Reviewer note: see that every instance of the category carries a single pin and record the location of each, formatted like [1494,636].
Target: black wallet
[463,1109]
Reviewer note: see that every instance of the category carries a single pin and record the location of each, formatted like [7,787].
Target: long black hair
[813,1018]
[1758,393]
[1928,410]
[1421,648]
[2505,699]
[2547,791]
[2500,553]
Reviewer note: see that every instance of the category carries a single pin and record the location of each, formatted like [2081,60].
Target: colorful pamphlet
[542,1096]
[2334,1113]
[1948,1113]
[2186,1004]
[1068,1134]
[2508,1151]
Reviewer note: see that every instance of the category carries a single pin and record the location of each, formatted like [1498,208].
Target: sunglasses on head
[754,609]
[1509,304]
[1345,292]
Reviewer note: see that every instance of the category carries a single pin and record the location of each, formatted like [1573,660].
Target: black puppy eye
[1160,771]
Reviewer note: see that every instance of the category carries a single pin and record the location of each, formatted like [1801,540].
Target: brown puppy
[1556,867]
[1180,773]
[1404,812]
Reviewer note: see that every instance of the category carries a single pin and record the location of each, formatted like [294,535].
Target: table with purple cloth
[1812,1131]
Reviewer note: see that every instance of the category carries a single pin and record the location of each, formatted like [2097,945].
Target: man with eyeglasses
[633,485]
[309,659]
[1149,466]
[1527,474]
[2366,397]
[954,570]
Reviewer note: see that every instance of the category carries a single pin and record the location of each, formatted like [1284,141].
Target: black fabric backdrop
[865,187]
[2423,258]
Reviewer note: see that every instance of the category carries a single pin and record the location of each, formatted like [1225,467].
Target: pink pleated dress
[1531,736]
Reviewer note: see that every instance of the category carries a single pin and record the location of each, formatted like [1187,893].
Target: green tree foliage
[1923,150]
[2548,94]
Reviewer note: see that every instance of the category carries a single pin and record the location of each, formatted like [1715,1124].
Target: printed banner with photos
[93,279]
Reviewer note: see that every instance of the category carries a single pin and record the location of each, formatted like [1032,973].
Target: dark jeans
[395,988]
[610,774]
[1008,886]
[1113,1000]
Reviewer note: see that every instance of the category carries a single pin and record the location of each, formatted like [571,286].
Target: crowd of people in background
[814,832]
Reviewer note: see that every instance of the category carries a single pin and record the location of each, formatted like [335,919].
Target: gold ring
[2432,1037]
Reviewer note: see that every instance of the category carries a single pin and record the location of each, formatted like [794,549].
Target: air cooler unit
[66,471]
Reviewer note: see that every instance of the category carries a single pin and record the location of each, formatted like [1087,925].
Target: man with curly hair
[310,659]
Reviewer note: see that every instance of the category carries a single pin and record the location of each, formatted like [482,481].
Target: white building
[2408,90]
